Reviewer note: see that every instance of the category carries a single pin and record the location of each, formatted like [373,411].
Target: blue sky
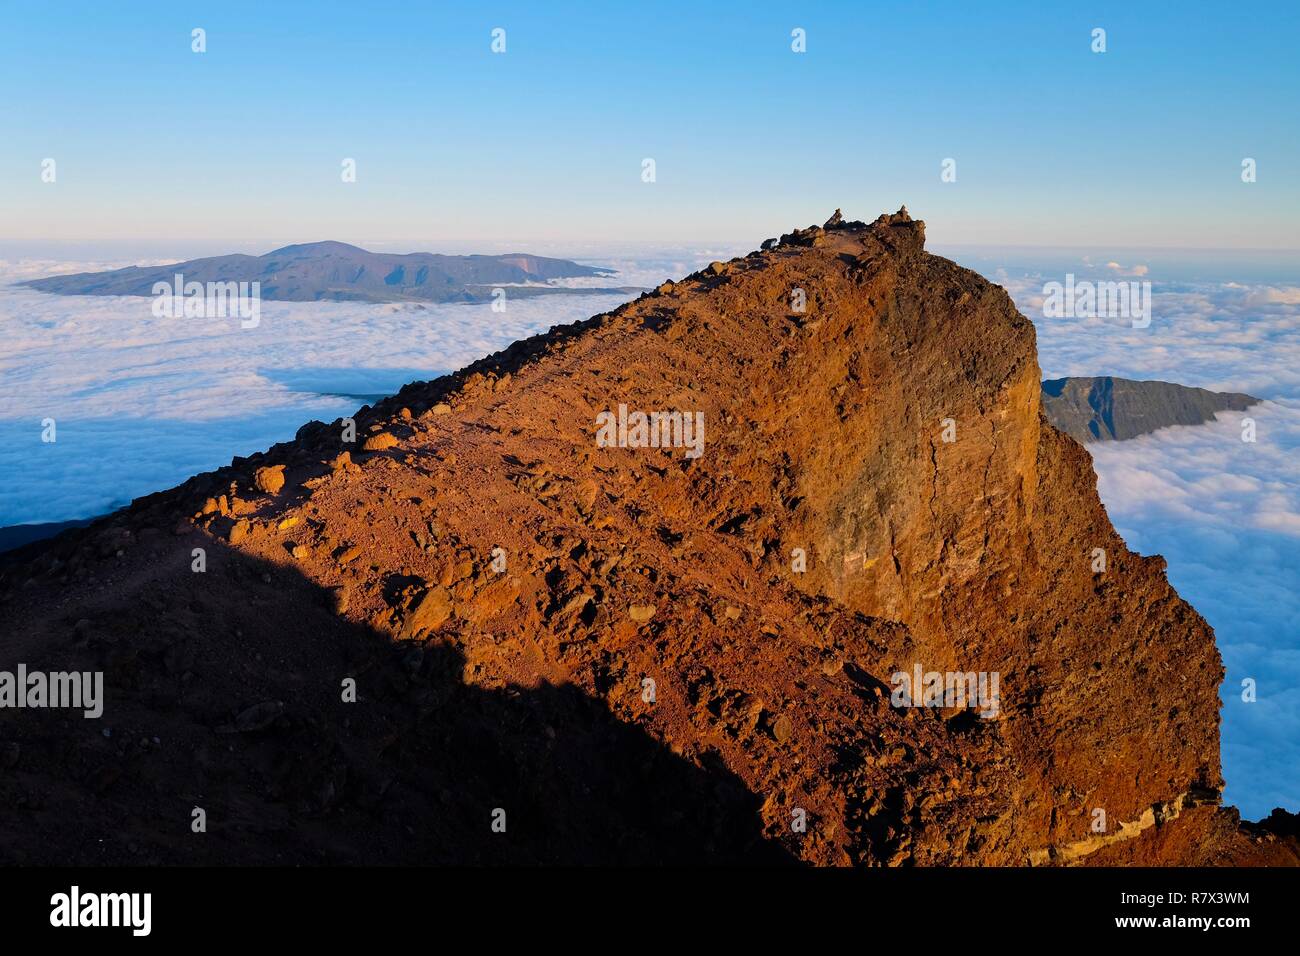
[1055,144]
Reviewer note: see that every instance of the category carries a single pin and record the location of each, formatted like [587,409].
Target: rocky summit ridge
[568,649]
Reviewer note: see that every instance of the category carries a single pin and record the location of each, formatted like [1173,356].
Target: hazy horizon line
[641,243]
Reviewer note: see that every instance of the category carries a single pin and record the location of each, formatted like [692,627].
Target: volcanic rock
[269,480]
[877,493]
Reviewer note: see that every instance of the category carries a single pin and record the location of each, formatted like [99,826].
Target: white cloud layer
[1224,513]
[141,403]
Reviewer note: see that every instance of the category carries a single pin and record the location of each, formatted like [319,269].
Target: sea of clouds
[1225,513]
[141,403]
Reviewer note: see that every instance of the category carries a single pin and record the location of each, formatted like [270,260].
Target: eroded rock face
[641,653]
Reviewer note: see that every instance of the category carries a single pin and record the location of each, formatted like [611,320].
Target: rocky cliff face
[631,653]
[1113,409]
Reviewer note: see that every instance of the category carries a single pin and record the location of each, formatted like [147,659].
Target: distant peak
[327,245]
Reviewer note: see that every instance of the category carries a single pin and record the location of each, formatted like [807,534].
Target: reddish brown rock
[269,480]
[672,629]
[429,612]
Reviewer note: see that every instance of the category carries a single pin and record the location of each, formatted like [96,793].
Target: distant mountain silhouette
[1104,408]
[338,272]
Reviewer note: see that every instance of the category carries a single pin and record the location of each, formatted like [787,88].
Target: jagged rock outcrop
[637,654]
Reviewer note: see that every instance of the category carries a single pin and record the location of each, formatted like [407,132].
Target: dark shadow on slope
[18,536]
[224,692]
